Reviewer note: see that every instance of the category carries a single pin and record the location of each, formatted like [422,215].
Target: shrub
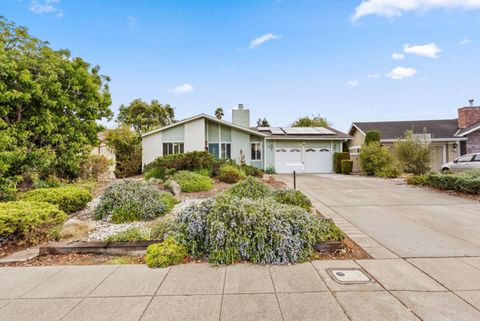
[94,167]
[133,234]
[419,180]
[127,146]
[250,188]
[337,161]
[347,166]
[158,173]
[261,231]
[163,228]
[204,171]
[191,182]
[129,200]
[390,170]
[30,221]
[374,157]
[270,170]
[168,200]
[292,197]
[69,198]
[465,182]
[413,154]
[372,136]
[230,174]
[252,171]
[328,231]
[190,161]
[164,254]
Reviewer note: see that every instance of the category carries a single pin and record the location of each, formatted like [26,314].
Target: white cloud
[182,89]
[353,83]
[374,76]
[465,41]
[398,56]
[430,50]
[262,39]
[45,6]
[395,8]
[401,72]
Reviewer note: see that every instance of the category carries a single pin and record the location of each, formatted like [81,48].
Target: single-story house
[449,138]
[279,148]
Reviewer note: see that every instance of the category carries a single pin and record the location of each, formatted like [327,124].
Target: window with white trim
[256,151]
[225,150]
[172,148]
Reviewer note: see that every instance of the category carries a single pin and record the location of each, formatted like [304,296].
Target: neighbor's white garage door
[315,160]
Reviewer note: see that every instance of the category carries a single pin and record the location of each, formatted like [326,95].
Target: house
[449,138]
[280,148]
[103,149]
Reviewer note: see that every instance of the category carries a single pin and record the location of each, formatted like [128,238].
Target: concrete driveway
[409,221]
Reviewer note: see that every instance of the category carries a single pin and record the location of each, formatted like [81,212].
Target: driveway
[409,221]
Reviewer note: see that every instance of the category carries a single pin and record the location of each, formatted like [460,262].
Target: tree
[144,117]
[314,121]
[263,122]
[127,145]
[372,136]
[376,159]
[219,113]
[413,154]
[49,102]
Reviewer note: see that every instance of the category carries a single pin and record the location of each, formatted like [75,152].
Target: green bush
[413,154]
[390,170]
[133,234]
[337,161]
[372,136]
[291,197]
[128,200]
[328,231]
[204,171]
[250,188]
[261,231]
[191,182]
[347,166]
[164,254]
[69,198]
[168,200]
[158,173]
[94,167]
[270,170]
[190,161]
[30,221]
[374,158]
[465,182]
[231,174]
[252,171]
[163,228]
[419,180]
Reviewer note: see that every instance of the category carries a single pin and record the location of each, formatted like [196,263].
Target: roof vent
[240,106]
[471,102]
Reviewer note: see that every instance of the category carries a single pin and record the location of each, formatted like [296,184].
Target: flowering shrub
[129,200]
[262,231]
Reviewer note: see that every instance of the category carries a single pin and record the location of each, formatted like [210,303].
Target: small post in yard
[294,180]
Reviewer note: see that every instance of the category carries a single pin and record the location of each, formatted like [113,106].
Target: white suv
[463,163]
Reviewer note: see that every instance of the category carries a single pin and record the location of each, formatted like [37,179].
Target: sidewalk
[425,289]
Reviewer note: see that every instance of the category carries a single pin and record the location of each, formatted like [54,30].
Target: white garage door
[315,160]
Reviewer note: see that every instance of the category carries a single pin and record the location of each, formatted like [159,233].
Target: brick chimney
[468,115]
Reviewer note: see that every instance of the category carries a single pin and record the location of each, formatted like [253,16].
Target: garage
[314,159]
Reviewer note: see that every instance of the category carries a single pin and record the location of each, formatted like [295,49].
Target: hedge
[30,221]
[337,161]
[347,166]
[190,161]
[465,182]
[69,198]
[372,136]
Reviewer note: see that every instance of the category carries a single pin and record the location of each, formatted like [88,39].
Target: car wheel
[445,170]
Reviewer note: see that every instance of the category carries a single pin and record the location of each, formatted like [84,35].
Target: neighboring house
[449,138]
[264,147]
[103,149]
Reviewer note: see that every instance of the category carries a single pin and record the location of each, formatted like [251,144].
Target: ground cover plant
[129,200]
[169,252]
[133,234]
[69,198]
[191,182]
[229,173]
[28,221]
[465,182]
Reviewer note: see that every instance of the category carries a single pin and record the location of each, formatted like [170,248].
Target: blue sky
[281,58]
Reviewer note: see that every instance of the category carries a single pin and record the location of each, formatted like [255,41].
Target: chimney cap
[240,106]
[471,102]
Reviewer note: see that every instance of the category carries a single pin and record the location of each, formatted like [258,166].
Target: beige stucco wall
[358,139]
[194,135]
[151,147]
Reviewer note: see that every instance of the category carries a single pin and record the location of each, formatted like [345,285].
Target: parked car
[463,163]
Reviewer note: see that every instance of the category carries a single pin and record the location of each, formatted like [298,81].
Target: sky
[348,60]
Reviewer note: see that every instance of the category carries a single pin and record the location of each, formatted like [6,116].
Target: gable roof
[468,130]
[211,118]
[389,130]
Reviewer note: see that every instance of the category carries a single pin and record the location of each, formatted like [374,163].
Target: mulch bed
[75,259]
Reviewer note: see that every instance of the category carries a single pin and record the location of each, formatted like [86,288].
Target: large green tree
[50,103]
[128,150]
[144,117]
[314,121]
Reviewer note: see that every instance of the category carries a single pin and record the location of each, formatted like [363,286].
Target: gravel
[104,229]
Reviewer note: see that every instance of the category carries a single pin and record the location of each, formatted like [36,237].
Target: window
[225,150]
[476,158]
[256,151]
[465,159]
[172,148]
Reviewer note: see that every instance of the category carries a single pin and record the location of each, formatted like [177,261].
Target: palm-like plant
[219,113]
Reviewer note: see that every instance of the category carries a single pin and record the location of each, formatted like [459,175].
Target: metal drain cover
[349,276]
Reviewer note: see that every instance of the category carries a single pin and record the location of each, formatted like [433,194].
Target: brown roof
[465,130]
[443,128]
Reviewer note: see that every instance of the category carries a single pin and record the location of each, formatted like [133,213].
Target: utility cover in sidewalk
[349,276]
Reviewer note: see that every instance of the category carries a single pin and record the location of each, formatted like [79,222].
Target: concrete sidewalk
[418,289]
